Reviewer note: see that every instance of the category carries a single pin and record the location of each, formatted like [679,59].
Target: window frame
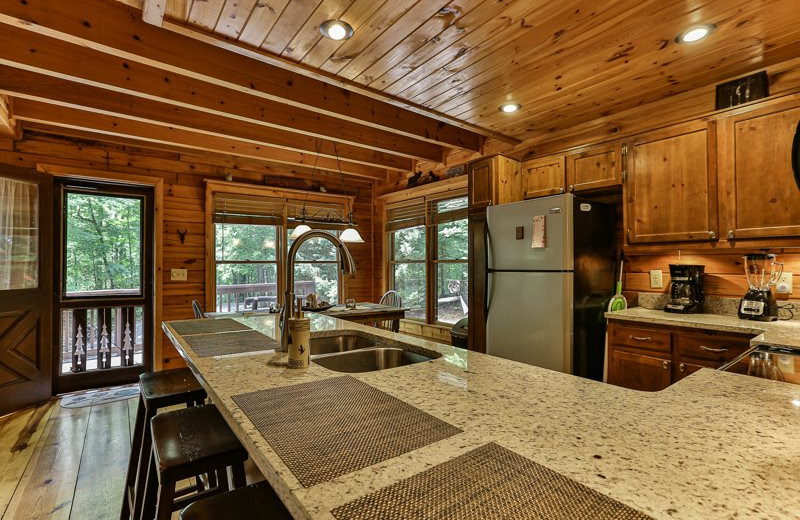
[337,262]
[289,196]
[431,261]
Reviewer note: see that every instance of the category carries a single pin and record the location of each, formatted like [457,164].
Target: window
[251,242]
[19,235]
[408,270]
[316,269]
[247,265]
[427,240]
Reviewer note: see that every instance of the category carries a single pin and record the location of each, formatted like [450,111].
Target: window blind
[233,208]
[447,207]
[405,214]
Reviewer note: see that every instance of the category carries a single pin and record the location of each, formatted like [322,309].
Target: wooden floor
[64,462]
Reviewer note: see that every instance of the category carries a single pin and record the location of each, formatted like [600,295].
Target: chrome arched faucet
[348,267]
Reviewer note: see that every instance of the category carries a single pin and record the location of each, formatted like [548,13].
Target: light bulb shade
[351,236]
[336,29]
[299,230]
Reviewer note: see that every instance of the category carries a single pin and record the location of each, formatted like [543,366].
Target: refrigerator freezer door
[530,318]
[510,249]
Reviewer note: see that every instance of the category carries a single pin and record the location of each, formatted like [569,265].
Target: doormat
[99,396]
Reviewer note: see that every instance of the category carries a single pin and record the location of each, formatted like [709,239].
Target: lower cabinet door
[638,371]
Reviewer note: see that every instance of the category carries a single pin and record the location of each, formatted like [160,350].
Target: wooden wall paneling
[758,194]
[183,208]
[9,126]
[234,16]
[671,190]
[212,64]
[724,270]
[261,19]
[205,13]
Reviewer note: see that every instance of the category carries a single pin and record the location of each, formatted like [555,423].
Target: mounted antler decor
[183,234]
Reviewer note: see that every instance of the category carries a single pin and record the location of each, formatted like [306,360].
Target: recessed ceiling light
[695,34]
[336,30]
[510,108]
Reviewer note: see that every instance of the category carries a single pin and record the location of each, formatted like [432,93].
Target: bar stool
[157,390]
[188,442]
[254,501]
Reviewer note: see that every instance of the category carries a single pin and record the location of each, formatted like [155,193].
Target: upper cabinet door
[594,167]
[543,176]
[481,183]
[671,190]
[758,194]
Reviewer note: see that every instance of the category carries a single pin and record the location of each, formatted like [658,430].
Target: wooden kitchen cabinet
[594,167]
[650,358]
[482,182]
[544,176]
[758,194]
[639,371]
[671,187]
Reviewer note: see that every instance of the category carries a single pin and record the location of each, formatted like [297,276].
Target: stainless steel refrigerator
[545,300]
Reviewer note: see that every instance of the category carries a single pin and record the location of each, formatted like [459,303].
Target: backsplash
[717,305]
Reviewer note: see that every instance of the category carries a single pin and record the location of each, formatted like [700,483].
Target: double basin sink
[349,352]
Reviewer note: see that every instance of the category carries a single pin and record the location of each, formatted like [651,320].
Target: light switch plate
[178,275]
[784,285]
[656,279]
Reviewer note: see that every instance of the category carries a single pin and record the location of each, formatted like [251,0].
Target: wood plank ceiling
[101,69]
[566,62]
[418,79]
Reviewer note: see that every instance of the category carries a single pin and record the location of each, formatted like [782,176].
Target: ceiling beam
[9,126]
[39,87]
[153,11]
[76,119]
[109,26]
[76,63]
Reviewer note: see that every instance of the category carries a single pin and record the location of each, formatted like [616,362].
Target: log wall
[183,208]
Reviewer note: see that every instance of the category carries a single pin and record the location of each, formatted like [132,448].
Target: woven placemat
[206,345]
[328,428]
[489,482]
[206,326]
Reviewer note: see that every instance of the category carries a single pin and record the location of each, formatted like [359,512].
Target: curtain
[19,234]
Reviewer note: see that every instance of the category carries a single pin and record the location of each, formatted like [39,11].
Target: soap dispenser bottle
[299,338]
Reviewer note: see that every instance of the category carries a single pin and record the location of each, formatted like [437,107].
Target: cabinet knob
[712,235]
[561,190]
[571,188]
[731,234]
[682,367]
[665,364]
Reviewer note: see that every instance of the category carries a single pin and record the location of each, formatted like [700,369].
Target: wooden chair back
[198,311]
[391,299]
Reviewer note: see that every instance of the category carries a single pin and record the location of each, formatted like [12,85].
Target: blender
[759,303]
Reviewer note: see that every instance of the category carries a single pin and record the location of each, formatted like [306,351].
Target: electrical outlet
[178,275]
[656,279]
[784,285]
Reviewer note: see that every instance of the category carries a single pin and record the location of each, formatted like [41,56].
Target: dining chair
[390,299]
[198,311]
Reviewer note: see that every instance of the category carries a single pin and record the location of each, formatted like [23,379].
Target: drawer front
[639,337]
[711,347]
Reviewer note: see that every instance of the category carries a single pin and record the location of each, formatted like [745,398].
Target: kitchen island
[714,445]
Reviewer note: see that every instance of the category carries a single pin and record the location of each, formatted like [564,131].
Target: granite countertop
[774,333]
[714,445]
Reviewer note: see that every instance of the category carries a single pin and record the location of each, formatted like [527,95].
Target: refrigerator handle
[487,240]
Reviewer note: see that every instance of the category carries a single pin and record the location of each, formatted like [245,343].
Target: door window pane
[409,282]
[19,235]
[103,245]
[451,291]
[316,269]
[315,250]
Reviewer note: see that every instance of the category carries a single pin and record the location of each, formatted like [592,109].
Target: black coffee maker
[686,289]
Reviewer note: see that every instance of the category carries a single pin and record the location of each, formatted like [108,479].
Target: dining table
[370,314]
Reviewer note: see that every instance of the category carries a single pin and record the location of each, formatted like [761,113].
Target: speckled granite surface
[788,310]
[713,446]
[775,333]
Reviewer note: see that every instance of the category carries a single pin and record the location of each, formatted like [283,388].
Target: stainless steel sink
[340,343]
[368,359]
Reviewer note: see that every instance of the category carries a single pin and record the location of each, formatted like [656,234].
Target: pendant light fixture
[299,230]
